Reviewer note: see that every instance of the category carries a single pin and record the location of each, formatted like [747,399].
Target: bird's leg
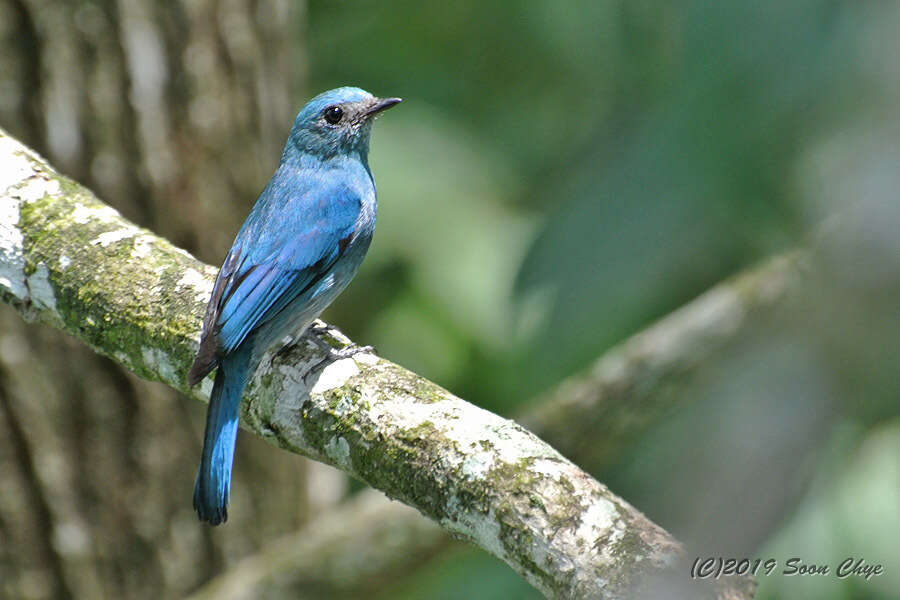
[313,334]
[317,328]
[331,353]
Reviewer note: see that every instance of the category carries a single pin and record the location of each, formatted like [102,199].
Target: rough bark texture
[175,114]
[69,261]
[589,417]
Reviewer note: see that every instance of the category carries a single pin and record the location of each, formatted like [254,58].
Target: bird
[301,244]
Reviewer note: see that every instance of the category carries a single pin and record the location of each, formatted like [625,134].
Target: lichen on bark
[139,300]
[120,289]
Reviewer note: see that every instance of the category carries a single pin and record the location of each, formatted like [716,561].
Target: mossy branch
[590,418]
[70,261]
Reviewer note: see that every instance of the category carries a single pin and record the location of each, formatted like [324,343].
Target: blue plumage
[299,247]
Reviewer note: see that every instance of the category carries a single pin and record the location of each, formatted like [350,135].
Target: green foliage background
[562,174]
[559,176]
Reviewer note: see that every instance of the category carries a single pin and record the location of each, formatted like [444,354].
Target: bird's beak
[382,104]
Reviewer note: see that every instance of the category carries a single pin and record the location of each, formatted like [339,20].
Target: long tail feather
[214,477]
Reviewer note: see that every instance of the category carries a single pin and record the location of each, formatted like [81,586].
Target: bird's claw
[346,352]
[350,351]
[332,354]
[317,329]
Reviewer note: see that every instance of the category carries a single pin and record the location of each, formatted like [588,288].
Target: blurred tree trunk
[175,113]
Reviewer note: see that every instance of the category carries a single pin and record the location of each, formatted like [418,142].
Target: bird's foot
[333,354]
[350,351]
[317,328]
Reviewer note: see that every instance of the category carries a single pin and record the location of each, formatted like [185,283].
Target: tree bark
[589,418]
[175,114]
[74,263]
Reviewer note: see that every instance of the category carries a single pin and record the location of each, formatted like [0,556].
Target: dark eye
[333,114]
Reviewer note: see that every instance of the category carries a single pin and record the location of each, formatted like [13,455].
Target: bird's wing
[278,254]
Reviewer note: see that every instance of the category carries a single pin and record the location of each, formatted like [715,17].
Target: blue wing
[284,248]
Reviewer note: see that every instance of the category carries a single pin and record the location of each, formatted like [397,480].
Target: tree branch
[359,543]
[72,262]
[590,418]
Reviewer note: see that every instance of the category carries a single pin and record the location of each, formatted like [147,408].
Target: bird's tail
[214,478]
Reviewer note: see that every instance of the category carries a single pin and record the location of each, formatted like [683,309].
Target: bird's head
[336,122]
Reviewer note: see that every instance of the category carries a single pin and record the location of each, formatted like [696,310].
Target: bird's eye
[333,114]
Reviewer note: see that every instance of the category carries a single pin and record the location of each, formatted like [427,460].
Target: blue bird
[298,249]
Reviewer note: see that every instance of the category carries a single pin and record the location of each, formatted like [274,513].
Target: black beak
[382,104]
